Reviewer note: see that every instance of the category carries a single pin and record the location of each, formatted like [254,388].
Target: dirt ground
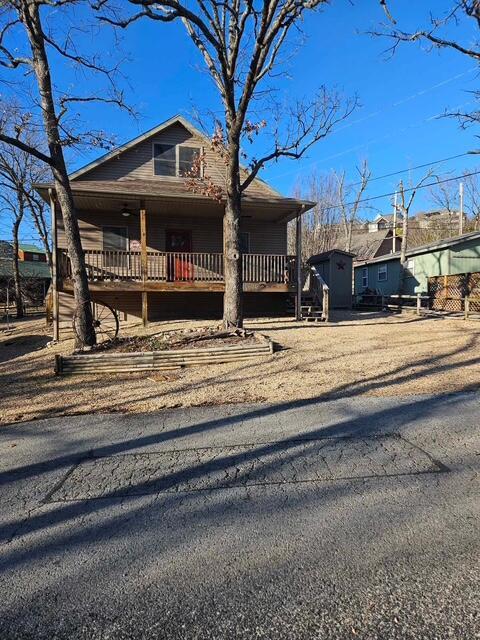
[355,354]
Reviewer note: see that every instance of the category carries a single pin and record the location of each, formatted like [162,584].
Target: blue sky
[396,126]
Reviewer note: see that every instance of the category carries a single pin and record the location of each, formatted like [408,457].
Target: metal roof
[426,248]
[27,269]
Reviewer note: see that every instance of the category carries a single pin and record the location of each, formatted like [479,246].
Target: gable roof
[177,119]
[365,244]
[427,248]
[326,255]
[137,140]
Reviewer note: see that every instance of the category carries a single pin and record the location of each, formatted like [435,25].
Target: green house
[459,255]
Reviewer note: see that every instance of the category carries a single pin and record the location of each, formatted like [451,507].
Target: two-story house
[154,247]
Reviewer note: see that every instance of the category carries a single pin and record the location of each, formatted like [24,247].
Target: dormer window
[174,160]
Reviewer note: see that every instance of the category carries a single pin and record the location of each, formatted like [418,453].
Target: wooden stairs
[309,309]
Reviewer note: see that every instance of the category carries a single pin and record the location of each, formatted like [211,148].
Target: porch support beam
[144,260]
[145,308]
[298,239]
[55,306]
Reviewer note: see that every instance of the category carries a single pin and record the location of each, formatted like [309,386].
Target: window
[186,160]
[115,240]
[410,267]
[35,257]
[244,237]
[382,272]
[365,277]
[164,160]
[174,160]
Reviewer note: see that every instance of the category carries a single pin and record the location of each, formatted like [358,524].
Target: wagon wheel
[105,322]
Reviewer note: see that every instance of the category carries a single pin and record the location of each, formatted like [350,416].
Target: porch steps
[309,310]
[312,313]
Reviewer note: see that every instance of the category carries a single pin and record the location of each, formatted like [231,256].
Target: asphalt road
[355,518]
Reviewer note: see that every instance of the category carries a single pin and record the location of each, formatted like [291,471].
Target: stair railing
[320,291]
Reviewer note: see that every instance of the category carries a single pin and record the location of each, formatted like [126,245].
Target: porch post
[144,260]
[55,318]
[298,239]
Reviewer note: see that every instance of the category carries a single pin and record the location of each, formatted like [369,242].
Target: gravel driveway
[374,354]
[351,518]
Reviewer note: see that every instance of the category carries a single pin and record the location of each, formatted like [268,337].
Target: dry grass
[373,354]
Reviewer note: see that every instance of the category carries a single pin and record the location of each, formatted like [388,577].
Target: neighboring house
[154,248]
[458,255]
[371,244]
[31,253]
[442,219]
[383,221]
[35,273]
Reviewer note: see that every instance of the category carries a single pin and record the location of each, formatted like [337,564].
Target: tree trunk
[233,296]
[16,270]
[232,299]
[85,333]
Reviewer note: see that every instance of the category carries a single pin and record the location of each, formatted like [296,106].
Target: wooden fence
[448,293]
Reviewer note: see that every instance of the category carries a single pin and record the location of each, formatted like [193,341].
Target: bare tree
[12,196]
[472,202]
[321,225]
[30,31]
[349,198]
[437,34]
[404,204]
[243,45]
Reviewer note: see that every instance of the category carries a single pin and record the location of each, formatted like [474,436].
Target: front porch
[178,271]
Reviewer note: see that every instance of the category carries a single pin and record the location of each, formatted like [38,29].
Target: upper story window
[174,160]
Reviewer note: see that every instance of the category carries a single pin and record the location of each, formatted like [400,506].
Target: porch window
[174,160]
[244,238]
[115,242]
[382,272]
[365,277]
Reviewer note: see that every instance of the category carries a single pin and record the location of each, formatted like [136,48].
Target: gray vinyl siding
[207,234]
[137,162]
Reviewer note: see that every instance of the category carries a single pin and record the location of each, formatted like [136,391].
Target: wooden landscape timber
[164,360]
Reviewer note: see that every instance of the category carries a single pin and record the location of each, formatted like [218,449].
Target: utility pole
[394,237]
[460,222]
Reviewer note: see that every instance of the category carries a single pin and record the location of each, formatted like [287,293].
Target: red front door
[178,244]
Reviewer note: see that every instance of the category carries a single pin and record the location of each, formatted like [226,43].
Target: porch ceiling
[158,198]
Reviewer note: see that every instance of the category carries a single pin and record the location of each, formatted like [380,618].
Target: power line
[418,166]
[408,190]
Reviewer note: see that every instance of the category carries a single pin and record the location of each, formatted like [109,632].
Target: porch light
[125,211]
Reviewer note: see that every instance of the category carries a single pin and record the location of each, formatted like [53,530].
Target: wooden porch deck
[172,271]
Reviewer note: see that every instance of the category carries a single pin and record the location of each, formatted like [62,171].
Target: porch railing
[164,266]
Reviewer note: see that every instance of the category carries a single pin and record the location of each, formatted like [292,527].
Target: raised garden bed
[166,351]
